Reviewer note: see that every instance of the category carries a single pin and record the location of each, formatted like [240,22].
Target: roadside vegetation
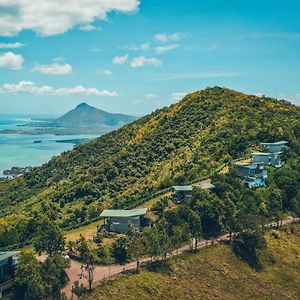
[216,273]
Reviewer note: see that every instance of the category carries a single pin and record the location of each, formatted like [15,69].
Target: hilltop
[85,115]
[173,145]
[216,273]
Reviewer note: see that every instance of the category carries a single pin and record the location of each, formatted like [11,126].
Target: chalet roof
[275,143]
[182,188]
[123,213]
[7,254]
[266,153]
[207,186]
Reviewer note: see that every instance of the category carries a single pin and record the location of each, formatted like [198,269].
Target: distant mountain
[84,116]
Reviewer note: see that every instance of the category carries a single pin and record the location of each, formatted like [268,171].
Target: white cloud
[51,17]
[162,49]
[11,45]
[59,59]
[174,37]
[141,61]
[89,27]
[120,60]
[199,75]
[31,88]
[105,72]
[150,96]
[53,69]
[176,96]
[142,47]
[12,61]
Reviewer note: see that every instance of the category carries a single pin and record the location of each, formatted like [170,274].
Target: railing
[7,285]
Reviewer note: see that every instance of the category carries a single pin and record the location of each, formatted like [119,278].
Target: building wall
[183,197]
[272,159]
[274,148]
[121,225]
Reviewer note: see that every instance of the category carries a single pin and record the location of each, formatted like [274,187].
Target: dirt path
[105,272]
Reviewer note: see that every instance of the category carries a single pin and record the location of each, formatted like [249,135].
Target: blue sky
[135,56]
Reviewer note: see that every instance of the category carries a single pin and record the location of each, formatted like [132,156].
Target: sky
[135,56]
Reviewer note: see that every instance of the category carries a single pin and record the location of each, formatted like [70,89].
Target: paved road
[105,272]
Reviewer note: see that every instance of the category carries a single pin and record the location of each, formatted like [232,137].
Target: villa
[8,261]
[253,174]
[207,186]
[182,194]
[274,147]
[270,158]
[118,220]
[270,154]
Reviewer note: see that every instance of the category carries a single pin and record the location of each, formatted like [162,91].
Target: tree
[275,203]
[88,259]
[151,239]
[164,241]
[120,249]
[29,284]
[54,274]
[296,206]
[136,244]
[229,216]
[194,221]
[49,239]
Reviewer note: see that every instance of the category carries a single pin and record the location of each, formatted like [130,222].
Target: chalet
[8,261]
[207,186]
[268,158]
[274,147]
[118,220]
[182,194]
[253,174]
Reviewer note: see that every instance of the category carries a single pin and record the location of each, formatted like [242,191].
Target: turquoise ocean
[19,150]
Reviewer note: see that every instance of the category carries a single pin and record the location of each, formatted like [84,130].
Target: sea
[20,150]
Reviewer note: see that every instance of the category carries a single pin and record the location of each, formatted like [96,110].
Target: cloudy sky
[135,56]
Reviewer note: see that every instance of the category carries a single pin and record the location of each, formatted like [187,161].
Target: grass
[88,231]
[216,273]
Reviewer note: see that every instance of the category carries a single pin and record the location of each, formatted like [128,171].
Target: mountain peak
[85,115]
[82,105]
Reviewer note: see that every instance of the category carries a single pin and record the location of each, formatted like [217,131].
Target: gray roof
[266,153]
[123,213]
[207,186]
[7,254]
[183,188]
[275,143]
[247,165]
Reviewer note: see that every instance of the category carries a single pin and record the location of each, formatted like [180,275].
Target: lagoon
[19,150]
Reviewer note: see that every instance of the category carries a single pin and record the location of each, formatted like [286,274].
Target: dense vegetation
[173,145]
[216,273]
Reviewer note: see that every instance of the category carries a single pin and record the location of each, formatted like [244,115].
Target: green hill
[216,273]
[172,145]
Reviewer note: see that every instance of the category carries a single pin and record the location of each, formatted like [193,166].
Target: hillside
[205,276]
[172,145]
[85,115]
